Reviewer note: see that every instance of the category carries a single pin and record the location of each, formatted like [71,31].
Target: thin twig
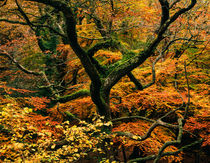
[198,53]
[21,67]
[132,117]
[188,91]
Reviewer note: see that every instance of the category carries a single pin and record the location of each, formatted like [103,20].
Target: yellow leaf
[53,146]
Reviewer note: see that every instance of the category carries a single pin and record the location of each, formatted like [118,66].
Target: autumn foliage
[53,108]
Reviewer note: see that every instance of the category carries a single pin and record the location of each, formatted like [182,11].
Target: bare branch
[195,57]
[153,72]
[34,25]
[28,22]
[132,117]
[21,67]
[159,121]
[4,3]
[99,25]
[80,93]
[172,111]
[165,11]
[173,41]
[139,86]
[137,137]
[128,65]
[25,70]
[152,157]
[173,4]
[54,91]
[100,45]
[24,15]
[129,135]
[88,38]
[188,91]
[169,143]
[181,11]
[13,21]
[150,130]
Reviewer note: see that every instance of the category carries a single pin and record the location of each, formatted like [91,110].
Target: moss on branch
[80,93]
[101,45]
[71,116]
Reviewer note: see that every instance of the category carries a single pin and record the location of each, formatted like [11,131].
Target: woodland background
[104,81]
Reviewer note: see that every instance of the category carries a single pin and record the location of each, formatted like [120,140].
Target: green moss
[70,116]
[33,61]
[192,51]
[126,58]
[80,93]
[46,40]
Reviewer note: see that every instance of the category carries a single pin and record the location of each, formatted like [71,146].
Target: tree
[102,80]
[102,77]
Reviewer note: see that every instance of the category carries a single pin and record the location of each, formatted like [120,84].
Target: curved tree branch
[25,70]
[121,68]
[24,15]
[72,36]
[21,67]
[28,22]
[188,91]
[34,25]
[137,83]
[161,154]
[180,12]
[165,11]
[153,71]
[174,3]
[152,157]
[99,46]
[169,143]
[199,54]
[4,3]
[80,93]
[124,67]
[132,117]
[90,68]
[13,22]
[159,122]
